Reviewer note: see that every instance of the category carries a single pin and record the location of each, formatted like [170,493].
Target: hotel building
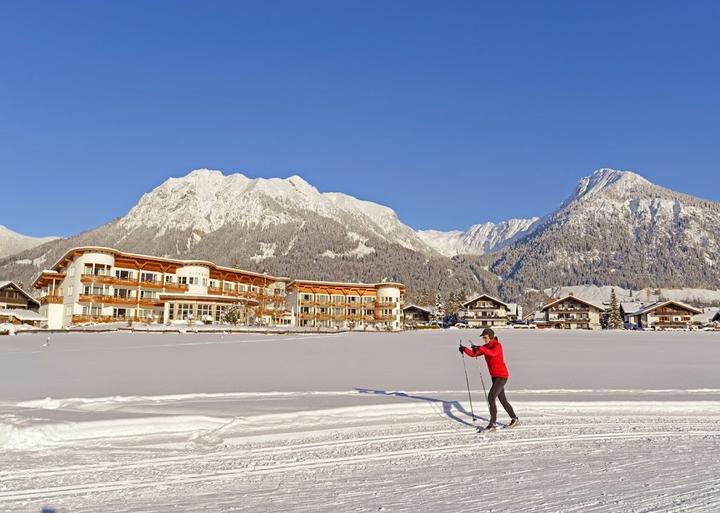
[95,284]
[326,304]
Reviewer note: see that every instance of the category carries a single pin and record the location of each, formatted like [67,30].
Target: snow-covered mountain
[206,201]
[479,238]
[282,226]
[616,228]
[619,228]
[12,242]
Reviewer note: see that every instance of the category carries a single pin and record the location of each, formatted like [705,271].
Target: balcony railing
[78,319]
[151,284]
[175,287]
[51,299]
[385,318]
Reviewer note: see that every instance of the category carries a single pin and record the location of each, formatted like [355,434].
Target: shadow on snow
[447,406]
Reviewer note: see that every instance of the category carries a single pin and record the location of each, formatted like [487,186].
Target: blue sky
[451,113]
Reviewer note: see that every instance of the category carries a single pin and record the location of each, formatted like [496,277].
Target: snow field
[357,422]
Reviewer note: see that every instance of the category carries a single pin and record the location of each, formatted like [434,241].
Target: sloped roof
[545,307]
[4,284]
[489,297]
[707,316]
[631,307]
[654,306]
[423,308]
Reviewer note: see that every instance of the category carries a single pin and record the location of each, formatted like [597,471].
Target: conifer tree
[615,322]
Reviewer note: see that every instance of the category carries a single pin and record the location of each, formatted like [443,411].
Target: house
[414,315]
[328,304]
[571,312]
[484,311]
[661,315]
[13,297]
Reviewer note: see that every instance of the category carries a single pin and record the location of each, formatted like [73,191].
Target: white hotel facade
[96,284]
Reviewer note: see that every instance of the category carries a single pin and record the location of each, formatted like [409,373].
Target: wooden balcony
[385,318]
[114,300]
[51,300]
[78,319]
[175,287]
[150,303]
[93,298]
[386,305]
[215,291]
[148,284]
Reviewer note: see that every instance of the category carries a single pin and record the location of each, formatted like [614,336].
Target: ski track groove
[220,475]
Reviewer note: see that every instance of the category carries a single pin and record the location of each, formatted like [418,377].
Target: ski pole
[467,382]
[487,399]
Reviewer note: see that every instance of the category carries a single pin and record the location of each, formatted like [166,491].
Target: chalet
[661,315]
[14,298]
[484,311]
[414,316]
[571,312]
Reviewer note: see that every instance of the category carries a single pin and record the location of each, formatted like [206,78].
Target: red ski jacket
[493,352]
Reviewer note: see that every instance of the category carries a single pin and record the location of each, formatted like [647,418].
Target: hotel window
[124,293]
[71,271]
[184,310]
[123,274]
[147,277]
[219,312]
[90,310]
[168,278]
[204,310]
[70,290]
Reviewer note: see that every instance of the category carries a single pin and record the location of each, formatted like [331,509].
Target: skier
[493,352]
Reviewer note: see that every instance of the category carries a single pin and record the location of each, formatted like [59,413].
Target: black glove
[474,348]
[462,349]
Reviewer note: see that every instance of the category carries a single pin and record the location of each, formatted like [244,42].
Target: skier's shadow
[447,406]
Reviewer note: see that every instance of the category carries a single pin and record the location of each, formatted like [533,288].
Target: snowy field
[611,421]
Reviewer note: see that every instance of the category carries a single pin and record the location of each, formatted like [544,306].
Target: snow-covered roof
[423,308]
[707,316]
[630,307]
[594,305]
[4,284]
[22,315]
[487,296]
[654,306]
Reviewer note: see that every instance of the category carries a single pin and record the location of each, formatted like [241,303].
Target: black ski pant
[497,391]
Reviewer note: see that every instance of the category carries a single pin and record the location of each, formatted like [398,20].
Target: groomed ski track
[412,456]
